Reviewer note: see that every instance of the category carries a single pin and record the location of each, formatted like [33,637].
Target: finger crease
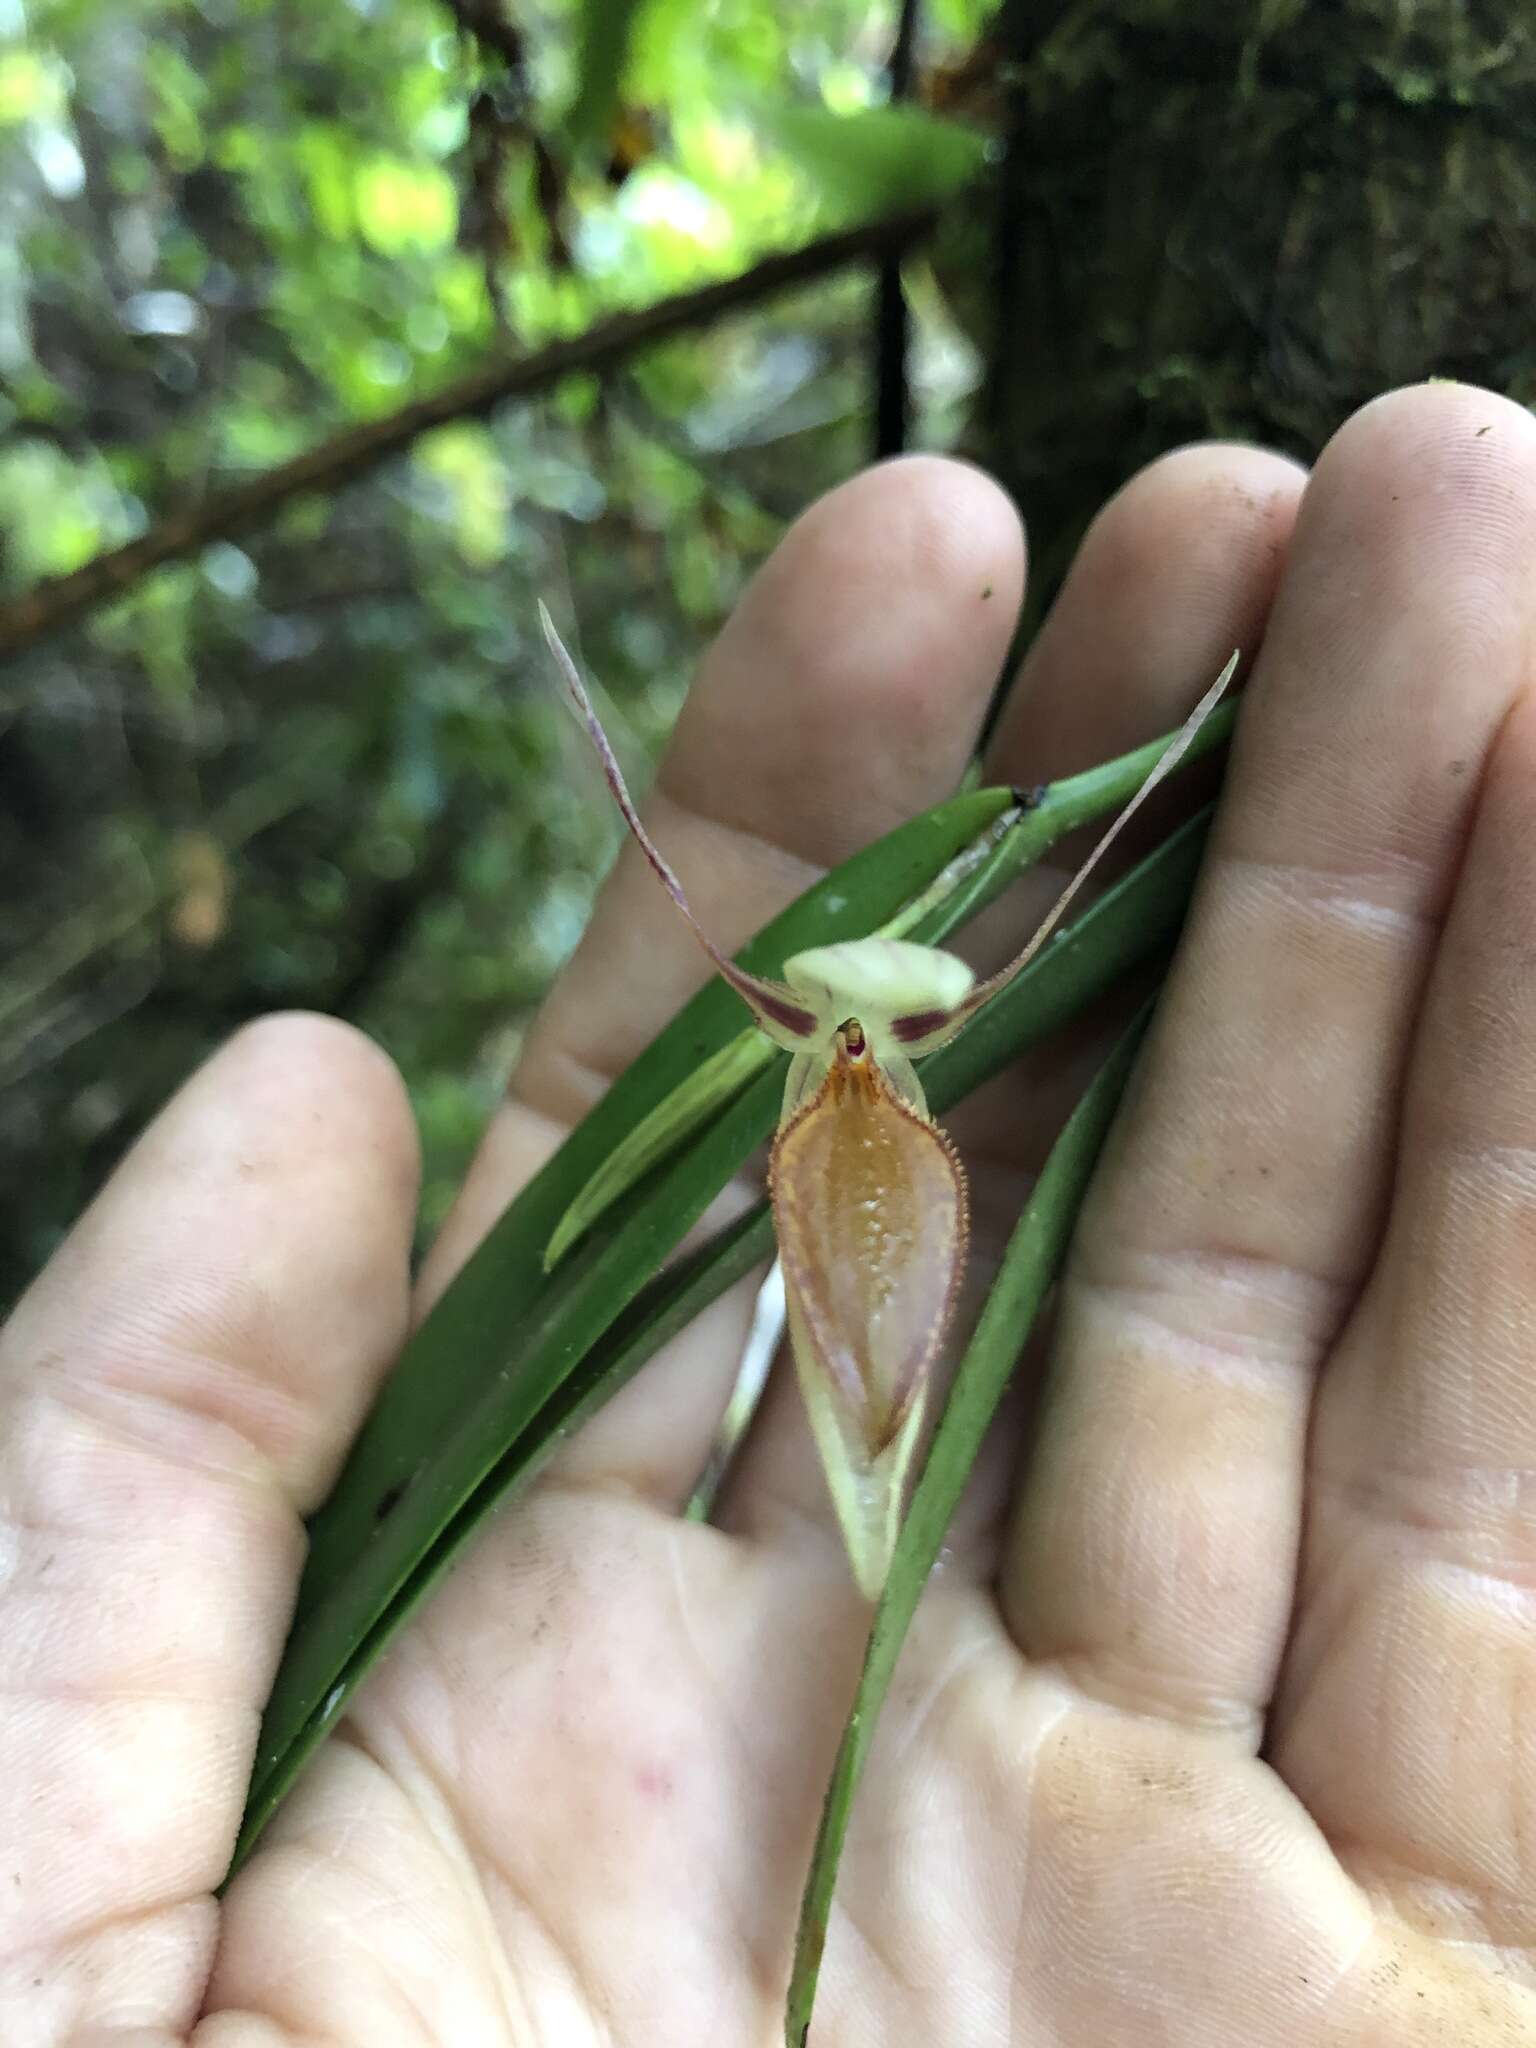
[1253,1314]
[1345,896]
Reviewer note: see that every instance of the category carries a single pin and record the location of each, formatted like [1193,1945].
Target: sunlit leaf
[607,31]
[32,86]
[403,205]
[879,159]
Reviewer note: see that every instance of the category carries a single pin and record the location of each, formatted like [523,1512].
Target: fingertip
[918,525]
[1199,520]
[1175,571]
[248,1262]
[858,666]
[956,524]
[1429,488]
[314,1068]
[1438,420]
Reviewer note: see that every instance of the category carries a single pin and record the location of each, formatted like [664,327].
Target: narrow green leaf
[1030,1265]
[701,1095]
[607,33]
[535,1357]
[538,1389]
[878,158]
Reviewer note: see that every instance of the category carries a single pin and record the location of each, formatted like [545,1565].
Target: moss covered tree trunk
[1246,219]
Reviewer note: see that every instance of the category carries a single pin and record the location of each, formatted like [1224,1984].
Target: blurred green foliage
[324,766]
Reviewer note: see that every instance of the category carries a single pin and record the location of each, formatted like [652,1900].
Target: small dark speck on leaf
[388,1500]
[986,591]
[1030,799]
[1483,430]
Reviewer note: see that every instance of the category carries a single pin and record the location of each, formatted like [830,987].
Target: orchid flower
[869,1196]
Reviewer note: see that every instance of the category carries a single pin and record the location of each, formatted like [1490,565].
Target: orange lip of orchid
[869,1196]
[869,1204]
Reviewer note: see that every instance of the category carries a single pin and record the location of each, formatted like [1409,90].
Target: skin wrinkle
[1471,1863]
[1392,1498]
[1241,1355]
[1047,1730]
[1501,1161]
[708,1666]
[1082,1672]
[108,1411]
[447,1845]
[463,1854]
[197,1902]
[1390,1881]
[264,1508]
[186,1883]
[918,1713]
[1342,894]
[1330,1624]
[740,1911]
[136,1696]
[518,1896]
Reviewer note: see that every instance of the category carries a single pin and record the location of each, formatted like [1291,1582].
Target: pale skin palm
[1213,1728]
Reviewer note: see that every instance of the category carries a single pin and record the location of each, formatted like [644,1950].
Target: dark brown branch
[485,22]
[62,600]
[893,402]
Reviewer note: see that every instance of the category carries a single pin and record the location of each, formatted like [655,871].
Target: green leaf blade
[607,33]
[878,158]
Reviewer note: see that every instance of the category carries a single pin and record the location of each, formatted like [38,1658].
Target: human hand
[1215,1726]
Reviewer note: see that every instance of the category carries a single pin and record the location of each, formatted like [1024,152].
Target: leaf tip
[561,1238]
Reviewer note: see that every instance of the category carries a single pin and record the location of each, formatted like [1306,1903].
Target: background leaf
[877,160]
[607,34]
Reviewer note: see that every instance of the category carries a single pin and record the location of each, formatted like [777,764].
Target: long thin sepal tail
[773,1003]
[920,1030]
[869,1206]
